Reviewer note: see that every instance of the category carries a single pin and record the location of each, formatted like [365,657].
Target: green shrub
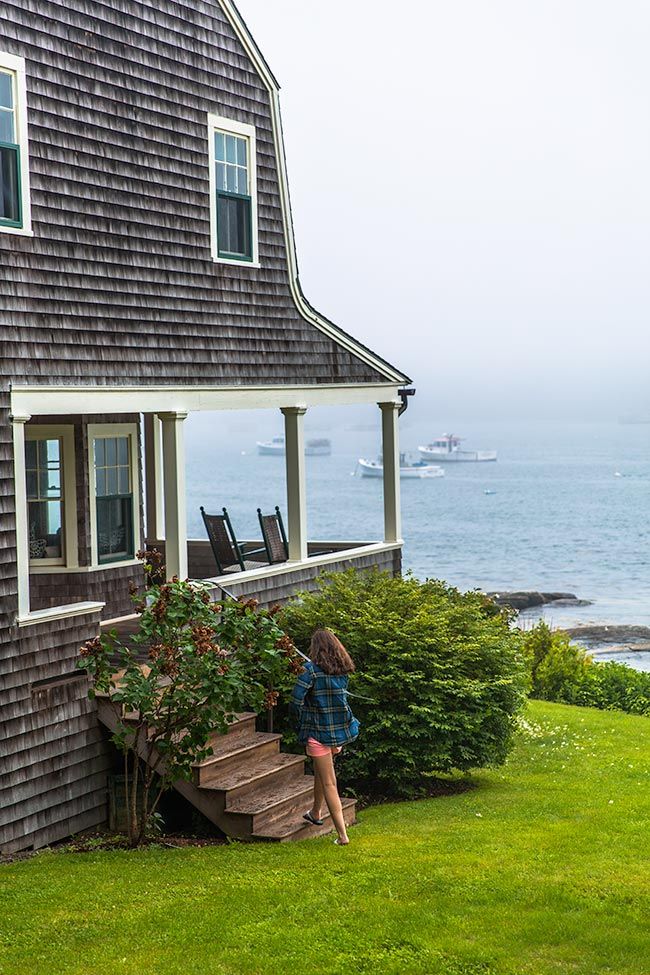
[440,676]
[564,672]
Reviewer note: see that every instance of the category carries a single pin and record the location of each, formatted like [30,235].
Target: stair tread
[264,799]
[235,778]
[284,829]
[230,745]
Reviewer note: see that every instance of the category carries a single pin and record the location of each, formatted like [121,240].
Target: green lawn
[543,868]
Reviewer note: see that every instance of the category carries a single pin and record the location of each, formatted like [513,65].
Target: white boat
[447,450]
[317,447]
[408,467]
[274,447]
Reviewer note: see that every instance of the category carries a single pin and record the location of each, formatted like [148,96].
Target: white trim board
[308,313]
[72,400]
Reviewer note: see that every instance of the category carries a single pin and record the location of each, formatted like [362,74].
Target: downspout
[404,396]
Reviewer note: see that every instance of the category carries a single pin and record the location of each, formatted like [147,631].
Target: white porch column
[22,519]
[390,453]
[173,442]
[294,436]
[153,472]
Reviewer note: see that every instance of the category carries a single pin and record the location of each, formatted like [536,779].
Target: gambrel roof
[118,284]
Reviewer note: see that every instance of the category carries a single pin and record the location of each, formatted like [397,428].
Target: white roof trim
[308,313]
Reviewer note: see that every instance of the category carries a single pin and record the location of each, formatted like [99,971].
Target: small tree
[206,661]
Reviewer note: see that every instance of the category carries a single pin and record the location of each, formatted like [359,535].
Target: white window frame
[70,559]
[97,431]
[16,65]
[217,123]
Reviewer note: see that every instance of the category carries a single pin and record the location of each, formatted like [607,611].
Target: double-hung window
[51,496]
[14,168]
[233,190]
[115,493]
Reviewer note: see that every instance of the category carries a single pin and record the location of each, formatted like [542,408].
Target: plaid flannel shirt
[320,702]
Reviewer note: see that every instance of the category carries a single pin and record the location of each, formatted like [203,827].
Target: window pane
[6,90]
[53,450]
[32,485]
[9,202]
[220,146]
[111,480]
[30,454]
[231,179]
[241,152]
[233,223]
[123,486]
[49,484]
[114,528]
[231,149]
[242,182]
[100,481]
[7,126]
[123,450]
[221,176]
[100,453]
[45,524]
[111,452]
[53,509]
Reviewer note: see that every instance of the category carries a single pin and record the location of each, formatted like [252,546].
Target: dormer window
[233,191]
[14,169]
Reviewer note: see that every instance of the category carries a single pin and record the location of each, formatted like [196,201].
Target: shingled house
[148,270]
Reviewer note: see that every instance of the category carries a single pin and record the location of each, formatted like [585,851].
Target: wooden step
[229,753]
[243,726]
[293,827]
[243,780]
[278,801]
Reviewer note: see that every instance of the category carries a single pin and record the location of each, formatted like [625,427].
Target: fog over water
[470,192]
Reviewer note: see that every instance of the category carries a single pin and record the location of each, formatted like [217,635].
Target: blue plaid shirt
[320,702]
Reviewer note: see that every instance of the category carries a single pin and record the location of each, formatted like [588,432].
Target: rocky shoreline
[596,637]
[603,638]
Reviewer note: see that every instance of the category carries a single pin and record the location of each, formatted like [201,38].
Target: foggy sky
[470,188]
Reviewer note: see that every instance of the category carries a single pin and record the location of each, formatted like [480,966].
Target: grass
[542,868]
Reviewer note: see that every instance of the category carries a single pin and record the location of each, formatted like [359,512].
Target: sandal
[337,842]
[310,819]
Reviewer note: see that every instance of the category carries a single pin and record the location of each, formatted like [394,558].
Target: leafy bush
[564,672]
[205,663]
[440,676]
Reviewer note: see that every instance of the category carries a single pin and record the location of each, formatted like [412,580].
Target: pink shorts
[316,750]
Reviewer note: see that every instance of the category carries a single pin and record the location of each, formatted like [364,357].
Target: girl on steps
[325,721]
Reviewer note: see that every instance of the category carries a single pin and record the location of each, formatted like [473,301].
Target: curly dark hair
[328,653]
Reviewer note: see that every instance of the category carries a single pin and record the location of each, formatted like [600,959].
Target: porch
[86,580]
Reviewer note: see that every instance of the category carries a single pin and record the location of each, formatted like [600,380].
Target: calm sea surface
[568,507]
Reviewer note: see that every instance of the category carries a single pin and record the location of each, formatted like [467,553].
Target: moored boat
[271,448]
[316,447]
[447,450]
[408,468]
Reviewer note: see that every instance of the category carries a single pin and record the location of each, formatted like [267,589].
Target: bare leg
[317,809]
[325,768]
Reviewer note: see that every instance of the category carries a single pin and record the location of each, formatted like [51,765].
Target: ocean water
[568,508]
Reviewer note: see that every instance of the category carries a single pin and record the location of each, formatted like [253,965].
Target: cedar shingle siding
[118,284]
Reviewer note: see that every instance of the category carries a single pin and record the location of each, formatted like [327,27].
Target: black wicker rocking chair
[274,535]
[229,554]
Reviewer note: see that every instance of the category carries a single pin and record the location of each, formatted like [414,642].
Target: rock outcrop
[529,599]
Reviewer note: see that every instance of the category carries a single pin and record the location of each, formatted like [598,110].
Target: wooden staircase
[247,786]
